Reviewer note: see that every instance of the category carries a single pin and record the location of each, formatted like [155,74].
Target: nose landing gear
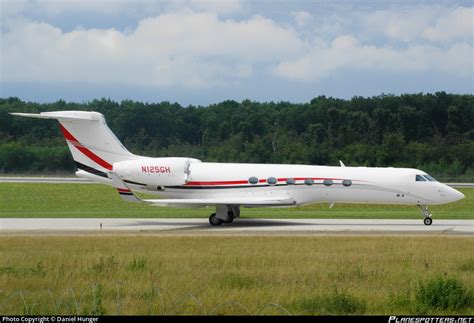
[426,214]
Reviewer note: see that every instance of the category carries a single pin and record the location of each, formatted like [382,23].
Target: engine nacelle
[155,172]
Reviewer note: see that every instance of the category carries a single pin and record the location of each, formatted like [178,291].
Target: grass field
[138,274]
[234,275]
[94,200]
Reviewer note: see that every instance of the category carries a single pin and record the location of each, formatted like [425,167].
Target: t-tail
[93,145]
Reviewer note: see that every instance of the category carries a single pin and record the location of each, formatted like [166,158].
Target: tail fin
[93,145]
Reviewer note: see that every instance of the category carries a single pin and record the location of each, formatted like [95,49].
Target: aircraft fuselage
[309,184]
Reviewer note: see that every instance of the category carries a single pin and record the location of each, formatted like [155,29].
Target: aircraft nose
[454,195]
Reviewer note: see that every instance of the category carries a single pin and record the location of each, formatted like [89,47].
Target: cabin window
[420,178]
[309,181]
[290,181]
[272,180]
[347,182]
[327,182]
[253,180]
[430,178]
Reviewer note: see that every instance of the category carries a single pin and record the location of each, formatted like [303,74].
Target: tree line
[433,132]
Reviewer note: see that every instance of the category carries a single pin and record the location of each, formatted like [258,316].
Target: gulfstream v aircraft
[189,182]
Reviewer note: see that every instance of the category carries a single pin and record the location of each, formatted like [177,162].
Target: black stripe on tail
[90,170]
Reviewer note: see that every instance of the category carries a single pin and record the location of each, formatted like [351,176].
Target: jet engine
[155,172]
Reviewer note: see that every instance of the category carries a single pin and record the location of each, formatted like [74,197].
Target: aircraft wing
[127,195]
[243,201]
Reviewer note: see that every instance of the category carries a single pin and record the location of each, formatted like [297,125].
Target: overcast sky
[201,52]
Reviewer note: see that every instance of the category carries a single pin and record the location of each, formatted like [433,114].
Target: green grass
[443,293]
[238,275]
[95,200]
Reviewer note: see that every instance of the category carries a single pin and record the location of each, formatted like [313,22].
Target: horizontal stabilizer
[63,115]
[93,177]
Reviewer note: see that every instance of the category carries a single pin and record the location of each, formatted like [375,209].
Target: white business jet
[188,182]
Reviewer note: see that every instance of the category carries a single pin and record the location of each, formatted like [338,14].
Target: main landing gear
[426,214]
[224,214]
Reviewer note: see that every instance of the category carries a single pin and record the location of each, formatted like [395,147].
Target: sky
[198,52]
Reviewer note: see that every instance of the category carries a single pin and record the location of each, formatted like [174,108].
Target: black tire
[427,221]
[213,220]
[229,218]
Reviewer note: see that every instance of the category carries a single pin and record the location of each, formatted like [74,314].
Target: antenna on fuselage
[342,164]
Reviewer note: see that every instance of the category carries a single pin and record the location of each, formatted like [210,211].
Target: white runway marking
[247,226]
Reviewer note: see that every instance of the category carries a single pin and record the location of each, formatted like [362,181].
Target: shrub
[443,293]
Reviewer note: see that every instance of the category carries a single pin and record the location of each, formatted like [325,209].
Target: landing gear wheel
[229,218]
[426,214]
[427,221]
[213,220]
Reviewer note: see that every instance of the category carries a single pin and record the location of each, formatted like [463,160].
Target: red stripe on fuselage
[217,183]
[72,140]
[260,181]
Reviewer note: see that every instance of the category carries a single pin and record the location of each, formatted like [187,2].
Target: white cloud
[191,44]
[457,23]
[186,48]
[427,23]
[415,39]
[12,8]
[347,53]
[403,24]
[302,18]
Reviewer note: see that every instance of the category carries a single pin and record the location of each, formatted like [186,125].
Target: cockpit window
[420,178]
[430,178]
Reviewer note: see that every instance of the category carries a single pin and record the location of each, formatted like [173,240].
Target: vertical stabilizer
[92,144]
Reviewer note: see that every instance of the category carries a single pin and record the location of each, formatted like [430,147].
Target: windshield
[424,178]
[430,178]
[420,178]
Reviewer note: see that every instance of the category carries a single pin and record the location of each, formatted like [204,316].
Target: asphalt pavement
[243,226]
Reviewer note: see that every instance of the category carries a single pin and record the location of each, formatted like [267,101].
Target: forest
[433,132]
